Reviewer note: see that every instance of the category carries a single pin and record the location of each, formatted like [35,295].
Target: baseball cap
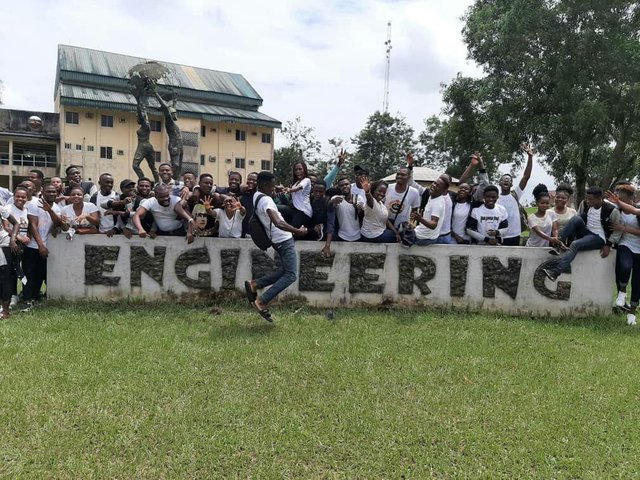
[126,182]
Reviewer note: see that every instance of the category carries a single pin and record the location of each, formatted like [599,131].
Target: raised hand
[526,148]
[44,205]
[410,159]
[612,197]
[206,201]
[342,156]
[366,185]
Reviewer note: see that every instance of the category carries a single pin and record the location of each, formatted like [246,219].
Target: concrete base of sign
[499,279]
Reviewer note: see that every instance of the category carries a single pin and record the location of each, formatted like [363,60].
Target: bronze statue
[144,150]
[174,134]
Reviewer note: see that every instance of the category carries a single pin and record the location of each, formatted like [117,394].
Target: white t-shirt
[359,192]
[459,219]
[44,222]
[488,219]
[564,218]
[375,220]
[274,233]
[21,217]
[229,227]
[393,200]
[593,222]
[512,206]
[106,221]
[87,209]
[630,240]
[165,218]
[448,207]
[348,219]
[435,208]
[543,223]
[5,238]
[301,199]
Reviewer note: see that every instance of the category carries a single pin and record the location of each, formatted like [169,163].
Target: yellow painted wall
[217,143]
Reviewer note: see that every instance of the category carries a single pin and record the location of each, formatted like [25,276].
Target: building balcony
[29,160]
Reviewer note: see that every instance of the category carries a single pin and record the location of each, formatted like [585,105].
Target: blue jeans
[585,240]
[445,239]
[284,277]
[427,241]
[388,236]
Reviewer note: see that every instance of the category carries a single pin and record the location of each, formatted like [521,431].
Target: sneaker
[14,301]
[631,319]
[550,274]
[28,306]
[555,251]
[621,300]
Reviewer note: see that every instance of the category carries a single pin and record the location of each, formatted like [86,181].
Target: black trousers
[34,268]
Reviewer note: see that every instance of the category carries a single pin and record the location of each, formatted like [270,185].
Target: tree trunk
[581,176]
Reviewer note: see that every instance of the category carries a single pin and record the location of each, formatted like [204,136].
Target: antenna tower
[385,102]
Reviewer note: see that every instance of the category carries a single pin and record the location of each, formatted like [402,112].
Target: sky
[322,61]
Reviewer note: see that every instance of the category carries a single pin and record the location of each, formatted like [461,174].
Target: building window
[266,138]
[265,165]
[203,131]
[239,162]
[106,153]
[106,121]
[67,146]
[72,117]
[156,125]
[78,147]
[157,156]
[202,157]
[241,135]
[189,139]
[89,148]
[120,152]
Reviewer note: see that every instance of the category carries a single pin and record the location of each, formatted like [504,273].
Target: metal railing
[30,160]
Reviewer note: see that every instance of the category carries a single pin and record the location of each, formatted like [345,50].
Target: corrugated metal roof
[421,174]
[97,62]
[95,97]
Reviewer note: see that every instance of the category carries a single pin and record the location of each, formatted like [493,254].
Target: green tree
[302,145]
[564,72]
[383,143]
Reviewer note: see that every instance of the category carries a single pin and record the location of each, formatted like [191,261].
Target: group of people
[334,208]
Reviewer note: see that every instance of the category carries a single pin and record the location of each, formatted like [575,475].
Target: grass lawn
[166,391]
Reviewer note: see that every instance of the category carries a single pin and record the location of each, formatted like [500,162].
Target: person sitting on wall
[168,215]
[592,229]
[79,217]
[376,227]
[74,179]
[42,220]
[510,199]
[229,218]
[489,222]
[299,212]
[344,210]
[280,233]
[451,198]
[143,191]
[319,203]
[101,199]
[430,221]
[543,222]
[246,199]
[563,211]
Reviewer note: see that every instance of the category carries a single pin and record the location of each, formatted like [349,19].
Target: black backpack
[256,228]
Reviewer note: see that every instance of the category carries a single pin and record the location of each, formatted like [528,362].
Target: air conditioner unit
[228,160]
[120,152]
[252,162]
[255,134]
[123,120]
[212,159]
[229,130]
[88,115]
[213,130]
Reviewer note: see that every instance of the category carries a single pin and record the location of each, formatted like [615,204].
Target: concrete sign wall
[505,279]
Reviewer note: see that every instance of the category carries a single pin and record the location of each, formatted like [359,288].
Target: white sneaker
[631,319]
[14,301]
[621,300]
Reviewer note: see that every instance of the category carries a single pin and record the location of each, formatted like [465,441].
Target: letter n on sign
[494,274]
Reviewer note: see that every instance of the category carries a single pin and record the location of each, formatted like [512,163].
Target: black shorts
[7,277]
